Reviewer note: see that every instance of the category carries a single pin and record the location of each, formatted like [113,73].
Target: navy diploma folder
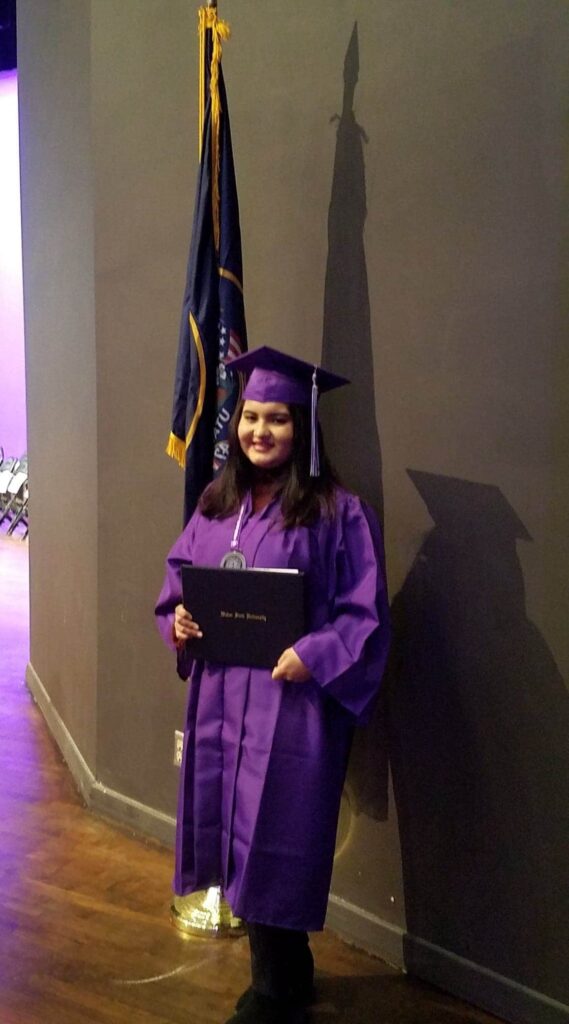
[247,616]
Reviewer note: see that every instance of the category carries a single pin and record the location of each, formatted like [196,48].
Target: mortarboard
[274,376]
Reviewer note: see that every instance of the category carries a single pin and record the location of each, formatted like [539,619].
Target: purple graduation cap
[274,376]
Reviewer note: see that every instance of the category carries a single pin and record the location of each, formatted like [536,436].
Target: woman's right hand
[184,626]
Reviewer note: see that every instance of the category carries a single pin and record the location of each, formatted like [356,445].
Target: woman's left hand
[291,667]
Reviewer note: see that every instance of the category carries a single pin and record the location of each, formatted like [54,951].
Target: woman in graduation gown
[266,752]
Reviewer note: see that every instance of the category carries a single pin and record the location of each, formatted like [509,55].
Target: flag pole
[207,912]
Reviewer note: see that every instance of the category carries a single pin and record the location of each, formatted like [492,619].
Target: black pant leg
[281,962]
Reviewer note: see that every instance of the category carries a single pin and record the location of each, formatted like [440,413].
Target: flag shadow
[349,416]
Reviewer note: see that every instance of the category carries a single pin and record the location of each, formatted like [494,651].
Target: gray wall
[59,314]
[144,161]
[415,239]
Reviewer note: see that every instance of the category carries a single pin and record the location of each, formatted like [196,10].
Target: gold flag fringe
[176,449]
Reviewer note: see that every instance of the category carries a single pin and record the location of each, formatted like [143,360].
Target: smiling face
[266,433]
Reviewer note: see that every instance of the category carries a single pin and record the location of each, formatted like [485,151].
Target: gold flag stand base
[206,913]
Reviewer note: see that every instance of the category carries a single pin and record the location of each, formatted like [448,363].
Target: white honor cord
[238,527]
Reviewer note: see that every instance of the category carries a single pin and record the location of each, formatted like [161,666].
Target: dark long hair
[304,498]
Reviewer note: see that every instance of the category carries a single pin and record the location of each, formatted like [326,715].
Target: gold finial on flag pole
[212,3]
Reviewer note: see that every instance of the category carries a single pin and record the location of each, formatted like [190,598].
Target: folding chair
[21,515]
[7,470]
[13,493]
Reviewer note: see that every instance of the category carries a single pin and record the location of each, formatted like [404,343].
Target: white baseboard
[366,931]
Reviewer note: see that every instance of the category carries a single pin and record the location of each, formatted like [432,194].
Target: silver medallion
[233,560]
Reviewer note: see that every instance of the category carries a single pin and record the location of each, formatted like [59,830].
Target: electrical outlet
[178,748]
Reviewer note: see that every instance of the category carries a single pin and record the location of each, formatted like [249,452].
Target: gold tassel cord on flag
[201,79]
[208,19]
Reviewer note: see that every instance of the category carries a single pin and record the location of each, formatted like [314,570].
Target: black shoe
[303,996]
[244,998]
[259,1009]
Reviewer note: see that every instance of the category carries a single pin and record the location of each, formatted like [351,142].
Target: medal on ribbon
[235,559]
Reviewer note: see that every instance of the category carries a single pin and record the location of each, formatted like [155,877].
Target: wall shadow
[474,711]
[349,415]
[370,998]
[479,745]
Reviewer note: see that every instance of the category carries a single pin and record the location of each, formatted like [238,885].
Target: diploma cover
[248,616]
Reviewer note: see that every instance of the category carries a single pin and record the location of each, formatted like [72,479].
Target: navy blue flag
[213,328]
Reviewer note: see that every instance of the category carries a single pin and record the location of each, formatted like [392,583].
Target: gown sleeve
[347,655]
[171,593]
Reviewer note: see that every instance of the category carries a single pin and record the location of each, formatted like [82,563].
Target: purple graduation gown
[265,760]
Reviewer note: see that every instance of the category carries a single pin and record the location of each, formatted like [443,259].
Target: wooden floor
[84,929]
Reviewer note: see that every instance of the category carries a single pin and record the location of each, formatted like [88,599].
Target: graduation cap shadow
[460,505]
[477,716]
